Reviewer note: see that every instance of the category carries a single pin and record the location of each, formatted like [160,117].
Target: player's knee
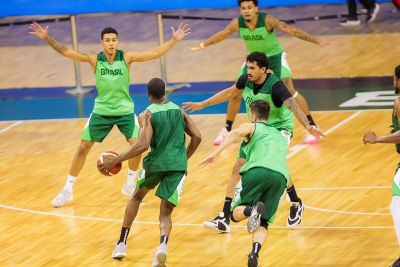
[264,223]
[84,148]
[233,218]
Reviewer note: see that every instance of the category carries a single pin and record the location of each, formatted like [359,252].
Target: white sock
[395,210]
[131,180]
[70,182]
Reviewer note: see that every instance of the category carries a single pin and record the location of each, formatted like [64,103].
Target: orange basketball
[116,168]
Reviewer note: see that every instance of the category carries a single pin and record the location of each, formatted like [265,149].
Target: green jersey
[259,39]
[112,84]
[168,149]
[266,148]
[396,128]
[279,117]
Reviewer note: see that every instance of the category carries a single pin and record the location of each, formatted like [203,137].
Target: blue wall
[46,7]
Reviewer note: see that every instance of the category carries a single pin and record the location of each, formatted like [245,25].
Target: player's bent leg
[259,237]
[221,222]
[160,257]
[131,211]
[66,194]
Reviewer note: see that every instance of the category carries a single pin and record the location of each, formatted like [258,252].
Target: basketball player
[164,127]
[113,105]
[372,138]
[257,84]
[257,30]
[264,176]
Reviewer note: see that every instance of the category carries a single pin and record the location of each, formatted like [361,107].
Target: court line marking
[330,130]
[9,127]
[343,188]
[179,224]
[191,114]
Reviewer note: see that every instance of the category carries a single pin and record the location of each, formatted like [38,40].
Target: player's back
[168,146]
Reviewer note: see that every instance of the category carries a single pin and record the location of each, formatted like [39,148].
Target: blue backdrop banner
[62,7]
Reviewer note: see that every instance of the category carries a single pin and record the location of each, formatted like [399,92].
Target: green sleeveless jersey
[168,147]
[266,148]
[396,128]
[259,39]
[112,84]
[279,117]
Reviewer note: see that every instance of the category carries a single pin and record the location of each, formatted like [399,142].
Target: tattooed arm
[274,23]
[59,47]
[291,103]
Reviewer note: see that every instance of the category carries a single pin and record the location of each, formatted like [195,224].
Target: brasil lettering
[253,37]
[111,72]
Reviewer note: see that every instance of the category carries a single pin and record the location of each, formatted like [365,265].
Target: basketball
[116,168]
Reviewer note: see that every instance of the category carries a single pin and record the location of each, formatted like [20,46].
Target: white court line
[343,188]
[330,130]
[10,126]
[348,212]
[192,114]
[180,224]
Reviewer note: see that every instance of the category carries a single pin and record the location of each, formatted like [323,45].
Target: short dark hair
[254,1]
[261,109]
[260,58]
[156,88]
[397,72]
[108,30]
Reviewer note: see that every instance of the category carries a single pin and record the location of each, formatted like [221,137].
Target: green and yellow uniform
[265,174]
[260,40]
[113,105]
[166,164]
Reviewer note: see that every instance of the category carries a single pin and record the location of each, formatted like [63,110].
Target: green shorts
[396,182]
[277,63]
[260,184]
[170,184]
[99,126]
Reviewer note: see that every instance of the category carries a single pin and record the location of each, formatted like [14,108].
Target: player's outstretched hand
[39,31]
[211,159]
[192,106]
[315,131]
[182,31]
[369,138]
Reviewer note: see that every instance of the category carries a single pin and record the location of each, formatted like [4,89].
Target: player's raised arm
[274,23]
[62,49]
[232,27]
[243,132]
[177,35]
[219,97]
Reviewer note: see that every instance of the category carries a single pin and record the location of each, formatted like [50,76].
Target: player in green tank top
[260,85]
[394,138]
[258,31]
[164,128]
[264,176]
[113,105]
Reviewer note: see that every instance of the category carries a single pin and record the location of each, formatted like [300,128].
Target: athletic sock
[227,207]
[124,235]
[164,239]
[70,182]
[228,125]
[256,248]
[292,194]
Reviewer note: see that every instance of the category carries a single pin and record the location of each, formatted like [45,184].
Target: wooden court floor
[344,184]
